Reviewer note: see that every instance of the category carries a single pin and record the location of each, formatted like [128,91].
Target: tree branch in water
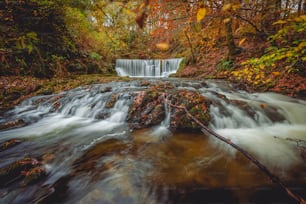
[263,168]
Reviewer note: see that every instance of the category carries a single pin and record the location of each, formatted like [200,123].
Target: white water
[147,68]
[255,129]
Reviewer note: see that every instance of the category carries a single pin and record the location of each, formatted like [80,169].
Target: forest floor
[290,84]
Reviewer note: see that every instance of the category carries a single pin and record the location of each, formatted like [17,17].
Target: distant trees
[44,37]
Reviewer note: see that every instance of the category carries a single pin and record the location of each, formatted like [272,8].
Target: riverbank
[289,84]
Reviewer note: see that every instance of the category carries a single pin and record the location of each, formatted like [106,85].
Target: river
[91,155]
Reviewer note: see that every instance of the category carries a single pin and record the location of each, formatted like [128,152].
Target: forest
[259,43]
[228,126]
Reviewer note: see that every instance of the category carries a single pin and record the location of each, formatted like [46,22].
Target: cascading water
[147,68]
[97,158]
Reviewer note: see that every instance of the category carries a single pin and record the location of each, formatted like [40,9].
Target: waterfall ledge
[147,67]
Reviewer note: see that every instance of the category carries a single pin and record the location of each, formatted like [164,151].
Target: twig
[208,131]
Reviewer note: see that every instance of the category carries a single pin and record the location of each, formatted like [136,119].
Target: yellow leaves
[230,6]
[301,45]
[162,46]
[275,74]
[35,12]
[303,17]
[242,41]
[201,14]
[289,54]
[226,7]
[236,7]
[300,18]
[304,58]
[279,22]
[227,20]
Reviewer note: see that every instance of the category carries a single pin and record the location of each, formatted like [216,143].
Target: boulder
[148,108]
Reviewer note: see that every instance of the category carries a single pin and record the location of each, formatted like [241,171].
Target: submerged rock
[9,144]
[12,124]
[33,175]
[28,169]
[89,160]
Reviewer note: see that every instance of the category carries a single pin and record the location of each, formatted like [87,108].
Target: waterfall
[147,67]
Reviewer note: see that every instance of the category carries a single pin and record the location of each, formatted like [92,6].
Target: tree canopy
[247,40]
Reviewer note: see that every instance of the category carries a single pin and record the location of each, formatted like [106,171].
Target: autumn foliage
[254,42]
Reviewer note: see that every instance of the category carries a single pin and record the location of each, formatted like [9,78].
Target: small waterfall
[147,67]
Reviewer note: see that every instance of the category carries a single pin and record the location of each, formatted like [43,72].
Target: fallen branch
[264,169]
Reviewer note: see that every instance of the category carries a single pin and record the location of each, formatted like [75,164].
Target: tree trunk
[300,6]
[232,49]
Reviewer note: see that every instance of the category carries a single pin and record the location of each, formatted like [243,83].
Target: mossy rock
[196,104]
[112,101]
[147,109]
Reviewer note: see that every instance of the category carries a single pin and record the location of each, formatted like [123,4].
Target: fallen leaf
[162,46]
[201,14]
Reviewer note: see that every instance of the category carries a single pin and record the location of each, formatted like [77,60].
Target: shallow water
[94,156]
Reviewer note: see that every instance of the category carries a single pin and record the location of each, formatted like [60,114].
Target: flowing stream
[94,157]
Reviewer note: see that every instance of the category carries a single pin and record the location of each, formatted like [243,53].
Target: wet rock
[55,193]
[111,102]
[196,104]
[56,102]
[103,114]
[106,89]
[148,108]
[33,175]
[301,94]
[12,124]
[271,112]
[14,171]
[145,83]
[9,144]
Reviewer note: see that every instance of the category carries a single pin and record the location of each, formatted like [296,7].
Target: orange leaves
[276,74]
[242,41]
[162,46]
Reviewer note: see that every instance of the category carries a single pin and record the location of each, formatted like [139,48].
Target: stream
[91,154]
